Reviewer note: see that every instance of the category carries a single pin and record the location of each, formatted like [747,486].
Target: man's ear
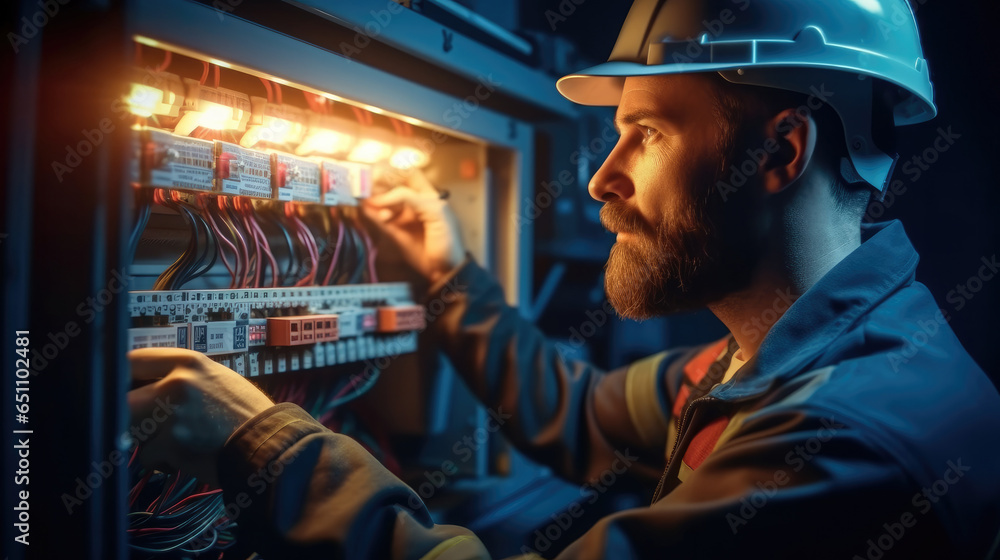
[795,138]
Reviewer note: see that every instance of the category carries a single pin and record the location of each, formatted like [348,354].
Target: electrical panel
[217,197]
[249,246]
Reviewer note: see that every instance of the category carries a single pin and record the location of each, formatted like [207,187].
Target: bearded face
[681,244]
[683,262]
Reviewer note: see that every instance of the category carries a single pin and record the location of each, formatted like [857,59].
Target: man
[841,418]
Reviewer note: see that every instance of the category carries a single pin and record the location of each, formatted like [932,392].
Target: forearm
[296,489]
[566,414]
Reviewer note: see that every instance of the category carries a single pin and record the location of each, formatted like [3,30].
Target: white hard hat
[796,45]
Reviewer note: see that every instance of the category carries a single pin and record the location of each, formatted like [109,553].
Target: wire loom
[324,246]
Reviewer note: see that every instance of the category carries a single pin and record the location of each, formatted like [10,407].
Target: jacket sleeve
[298,490]
[567,415]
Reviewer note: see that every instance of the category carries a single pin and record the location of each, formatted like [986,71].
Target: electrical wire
[185,517]
[267,88]
[336,251]
[206,207]
[370,250]
[210,253]
[263,246]
[145,210]
[167,55]
[309,242]
[227,215]
[167,280]
[204,74]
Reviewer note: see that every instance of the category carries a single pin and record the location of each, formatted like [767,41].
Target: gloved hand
[194,405]
[414,214]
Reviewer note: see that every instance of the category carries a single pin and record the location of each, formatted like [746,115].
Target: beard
[695,256]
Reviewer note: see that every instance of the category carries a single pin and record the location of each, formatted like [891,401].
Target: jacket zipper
[677,442]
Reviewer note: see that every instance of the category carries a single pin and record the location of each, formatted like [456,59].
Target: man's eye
[648,133]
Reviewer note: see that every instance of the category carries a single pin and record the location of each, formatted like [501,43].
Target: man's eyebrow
[634,116]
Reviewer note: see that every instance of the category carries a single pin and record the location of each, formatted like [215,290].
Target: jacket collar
[883,263]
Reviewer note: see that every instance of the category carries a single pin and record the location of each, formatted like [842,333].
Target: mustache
[619,217]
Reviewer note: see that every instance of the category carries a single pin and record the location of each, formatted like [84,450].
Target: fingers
[395,197]
[413,178]
[420,183]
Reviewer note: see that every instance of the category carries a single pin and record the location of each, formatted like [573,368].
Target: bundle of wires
[324,246]
[175,516]
[307,240]
[145,209]
[354,256]
[199,257]
[261,247]
[243,245]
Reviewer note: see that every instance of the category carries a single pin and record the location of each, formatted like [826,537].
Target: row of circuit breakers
[264,331]
[202,166]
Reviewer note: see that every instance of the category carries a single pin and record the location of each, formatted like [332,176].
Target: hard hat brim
[601,85]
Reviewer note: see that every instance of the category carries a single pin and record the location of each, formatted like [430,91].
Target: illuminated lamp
[374,145]
[329,136]
[409,154]
[154,93]
[214,108]
[273,123]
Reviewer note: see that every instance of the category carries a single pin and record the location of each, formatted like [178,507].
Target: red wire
[207,213]
[244,263]
[311,101]
[359,114]
[137,489]
[218,72]
[265,247]
[183,502]
[204,74]
[314,247]
[370,245]
[309,241]
[336,250]
[256,257]
[267,87]
[163,497]
[277,93]
[166,61]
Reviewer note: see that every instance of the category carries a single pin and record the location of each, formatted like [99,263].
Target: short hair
[740,104]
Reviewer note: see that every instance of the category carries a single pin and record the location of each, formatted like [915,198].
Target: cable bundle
[322,246]
[199,256]
[183,518]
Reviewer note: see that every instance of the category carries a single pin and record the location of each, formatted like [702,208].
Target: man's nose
[612,180]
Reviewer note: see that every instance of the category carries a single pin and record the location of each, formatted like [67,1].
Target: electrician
[840,417]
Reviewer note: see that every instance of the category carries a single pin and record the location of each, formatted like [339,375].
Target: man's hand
[420,221]
[196,404]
